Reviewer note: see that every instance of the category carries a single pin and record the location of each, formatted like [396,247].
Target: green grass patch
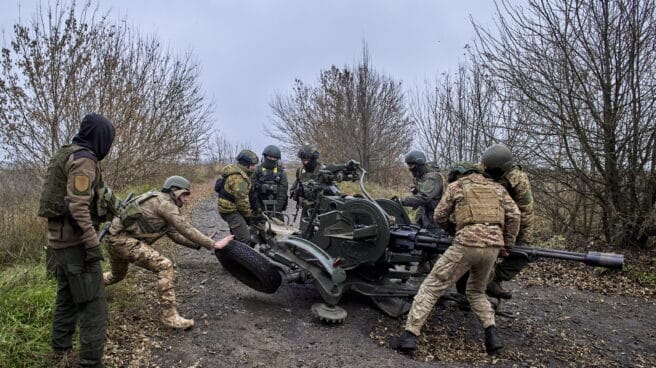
[26,301]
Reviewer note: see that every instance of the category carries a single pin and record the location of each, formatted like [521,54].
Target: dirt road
[240,327]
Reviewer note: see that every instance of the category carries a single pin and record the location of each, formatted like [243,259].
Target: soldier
[70,201]
[143,221]
[486,221]
[426,190]
[234,187]
[305,176]
[498,163]
[269,191]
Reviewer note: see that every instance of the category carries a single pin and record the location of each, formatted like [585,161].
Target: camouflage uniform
[234,203]
[69,201]
[131,244]
[518,186]
[475,249]
[269,185]
[427,191]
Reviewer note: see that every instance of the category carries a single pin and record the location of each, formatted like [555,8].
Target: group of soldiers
[487,207]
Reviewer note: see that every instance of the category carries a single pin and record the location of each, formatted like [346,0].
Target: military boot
[407,342]
[172,319]
[493,344]
[495,290]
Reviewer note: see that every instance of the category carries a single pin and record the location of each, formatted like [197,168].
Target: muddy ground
[240,327]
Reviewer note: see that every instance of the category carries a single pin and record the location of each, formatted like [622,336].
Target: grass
[26,301]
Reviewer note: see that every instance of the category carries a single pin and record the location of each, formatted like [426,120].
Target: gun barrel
[608,260]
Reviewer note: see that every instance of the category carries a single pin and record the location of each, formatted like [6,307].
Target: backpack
[219,188]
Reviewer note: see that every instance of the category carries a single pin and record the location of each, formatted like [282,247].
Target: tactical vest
[131,213]
[52,203]
[481,205]
[271,177]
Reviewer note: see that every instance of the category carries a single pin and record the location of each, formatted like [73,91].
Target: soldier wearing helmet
[426,190]
[269,189]
[486,221]
[306,174]
[234,187]
[498,163]
[143,221]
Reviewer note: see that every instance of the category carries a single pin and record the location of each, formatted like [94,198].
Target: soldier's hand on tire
[223,242]
[503,252]
[93,254]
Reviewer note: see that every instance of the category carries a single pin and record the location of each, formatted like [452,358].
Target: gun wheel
[249,267]
[333,315]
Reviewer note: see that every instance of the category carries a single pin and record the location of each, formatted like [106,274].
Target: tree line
[568,85]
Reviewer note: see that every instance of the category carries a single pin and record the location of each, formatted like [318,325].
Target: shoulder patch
[85,154]
[82,184]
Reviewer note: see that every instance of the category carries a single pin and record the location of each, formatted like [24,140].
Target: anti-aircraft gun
[354,243]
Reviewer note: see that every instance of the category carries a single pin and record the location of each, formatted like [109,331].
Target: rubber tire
[249,267]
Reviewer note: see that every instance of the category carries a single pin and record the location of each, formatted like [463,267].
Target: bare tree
[459,115]
[69,61]
[353,113]
[585,70]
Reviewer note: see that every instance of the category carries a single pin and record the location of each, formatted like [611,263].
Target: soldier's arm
[281,196]
[428,189]
[181,229]
[240,189]
[444,208]
[79,194]
[524,200]
[512,218]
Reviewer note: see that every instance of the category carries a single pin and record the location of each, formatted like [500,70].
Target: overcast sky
[251,50]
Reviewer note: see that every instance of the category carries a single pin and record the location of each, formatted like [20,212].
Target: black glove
[93,254]
[253,220]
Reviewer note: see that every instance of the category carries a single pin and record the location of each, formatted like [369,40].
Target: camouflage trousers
[238,226]
[454,263]
[124,250]
[80,300]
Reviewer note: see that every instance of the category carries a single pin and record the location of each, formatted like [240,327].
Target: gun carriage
[354,243]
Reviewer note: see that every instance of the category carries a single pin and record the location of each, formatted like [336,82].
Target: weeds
[26,301]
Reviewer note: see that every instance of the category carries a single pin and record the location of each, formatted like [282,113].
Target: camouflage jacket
[269,184]
[427,191]
[479,235]
[518,186]
[163,216]
[77,227]
[237,184]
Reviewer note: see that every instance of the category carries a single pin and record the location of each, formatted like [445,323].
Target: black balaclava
[418,170]
[269,164]
[96,133]
[311,165]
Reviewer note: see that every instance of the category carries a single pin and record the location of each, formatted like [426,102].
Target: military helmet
[461,168]
[272,151]
[247,158]
[175,182]
[308,152]
[497,156]
[415,157]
